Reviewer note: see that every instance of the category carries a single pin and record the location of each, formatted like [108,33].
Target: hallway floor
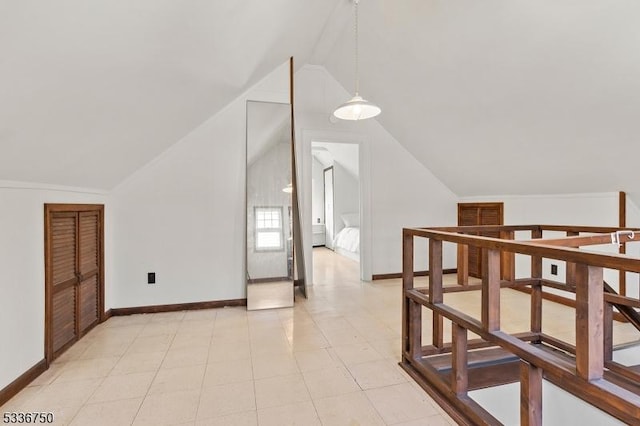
[330,360]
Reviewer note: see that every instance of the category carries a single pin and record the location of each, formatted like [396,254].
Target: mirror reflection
[269,244]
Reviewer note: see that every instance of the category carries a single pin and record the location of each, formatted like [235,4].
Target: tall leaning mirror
[269,244]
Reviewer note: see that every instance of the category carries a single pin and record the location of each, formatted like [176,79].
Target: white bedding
[348,239]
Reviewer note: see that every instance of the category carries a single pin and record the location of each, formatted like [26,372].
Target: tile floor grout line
[306,385]
[206,368]
[144,398]
[86,401]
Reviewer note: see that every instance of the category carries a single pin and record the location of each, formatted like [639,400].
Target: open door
[328,208]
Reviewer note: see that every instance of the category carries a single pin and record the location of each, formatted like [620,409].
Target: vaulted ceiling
[493,97]
[514,97]
[91,91]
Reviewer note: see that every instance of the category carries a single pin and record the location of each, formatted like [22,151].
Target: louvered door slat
[64,318]
[89,228]
[63,267]
[468,217]
[88,294]
[64,247]
[89,250]
[490,216]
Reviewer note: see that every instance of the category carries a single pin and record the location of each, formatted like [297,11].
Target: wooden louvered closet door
[74,287]
[470,214]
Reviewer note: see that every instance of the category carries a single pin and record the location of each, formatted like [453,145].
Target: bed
[347,241]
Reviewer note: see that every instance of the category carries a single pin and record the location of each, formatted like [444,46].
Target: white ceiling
[268,124]
[345,154]
[91,91]
[493,96]
[505,97]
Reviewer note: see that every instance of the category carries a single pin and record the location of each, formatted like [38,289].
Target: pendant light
[356,108]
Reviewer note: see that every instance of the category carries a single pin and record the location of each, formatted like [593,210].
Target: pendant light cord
[355,29]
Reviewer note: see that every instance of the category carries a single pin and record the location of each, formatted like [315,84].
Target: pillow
[351,220]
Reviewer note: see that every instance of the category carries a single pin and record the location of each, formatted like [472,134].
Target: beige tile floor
[329,360]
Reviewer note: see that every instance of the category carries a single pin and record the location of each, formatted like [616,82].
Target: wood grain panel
[89,242]
[64,318]
[468,216]
[63,239]
[88,294]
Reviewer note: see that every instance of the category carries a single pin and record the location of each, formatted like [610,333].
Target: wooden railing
[448,371]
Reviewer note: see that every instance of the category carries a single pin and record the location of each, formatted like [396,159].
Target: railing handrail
[557,228]
[569,254]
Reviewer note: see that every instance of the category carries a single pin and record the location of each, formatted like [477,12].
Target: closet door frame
[49,210]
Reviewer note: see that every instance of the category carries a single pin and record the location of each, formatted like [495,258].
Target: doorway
[74,273]
[336,204]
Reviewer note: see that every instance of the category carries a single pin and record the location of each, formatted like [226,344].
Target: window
[268,226]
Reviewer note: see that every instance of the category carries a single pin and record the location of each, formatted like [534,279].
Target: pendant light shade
[356,108]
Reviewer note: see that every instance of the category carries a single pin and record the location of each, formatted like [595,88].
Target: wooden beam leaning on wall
[622,223]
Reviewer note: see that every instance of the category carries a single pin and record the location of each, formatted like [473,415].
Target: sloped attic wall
[22,269]
[91,91]
[182,216]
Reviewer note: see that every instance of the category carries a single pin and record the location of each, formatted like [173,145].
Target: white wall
[558,406]
[396,190]
[183,215]
[633,249]
[317,192]
[22,269]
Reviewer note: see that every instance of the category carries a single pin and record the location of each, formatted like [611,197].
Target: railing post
[608,331]
[407,284]
[530,395]
[508,259]
[536,289]
[491,292]
[570,273]
[435,289]
[459,374]
[463,264]
[415,329]
[589,322]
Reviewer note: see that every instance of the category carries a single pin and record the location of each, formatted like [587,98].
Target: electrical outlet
[151,278]
[554,269]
